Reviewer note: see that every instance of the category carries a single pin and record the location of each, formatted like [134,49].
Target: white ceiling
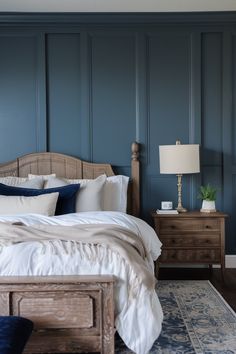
[116,5]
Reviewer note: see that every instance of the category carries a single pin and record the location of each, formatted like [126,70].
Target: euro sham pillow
[112,194]
[44,177]
[89,197]
[66,198]
[115,193]
[44,204]
[14,181]
[35,183]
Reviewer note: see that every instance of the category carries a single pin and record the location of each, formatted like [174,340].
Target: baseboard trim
[230,261]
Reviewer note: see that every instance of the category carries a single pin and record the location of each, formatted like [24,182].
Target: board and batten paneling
[90,85]
[113,97]
[63,93]
[22,102]
[212,139]
[169,81]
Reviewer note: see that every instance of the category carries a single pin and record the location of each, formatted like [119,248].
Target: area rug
[196,320]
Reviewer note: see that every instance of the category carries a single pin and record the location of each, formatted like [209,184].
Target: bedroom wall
[90,85]
[120,6]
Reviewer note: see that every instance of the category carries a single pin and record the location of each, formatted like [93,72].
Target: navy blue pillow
[66,199]
[14,333]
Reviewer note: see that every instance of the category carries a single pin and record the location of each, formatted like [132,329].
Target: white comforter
[138,315]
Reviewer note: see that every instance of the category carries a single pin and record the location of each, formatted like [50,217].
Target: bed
[29,255]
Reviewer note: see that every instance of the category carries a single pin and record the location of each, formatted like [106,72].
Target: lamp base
[181,210]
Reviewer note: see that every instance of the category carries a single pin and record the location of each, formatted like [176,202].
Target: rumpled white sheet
[138,319]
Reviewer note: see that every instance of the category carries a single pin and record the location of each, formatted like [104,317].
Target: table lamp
[179,159]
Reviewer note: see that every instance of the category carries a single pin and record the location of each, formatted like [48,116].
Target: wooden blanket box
[71,314]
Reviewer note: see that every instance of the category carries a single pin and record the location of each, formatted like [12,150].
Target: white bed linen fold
[138,317]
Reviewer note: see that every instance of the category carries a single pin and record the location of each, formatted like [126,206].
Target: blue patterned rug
[196,320]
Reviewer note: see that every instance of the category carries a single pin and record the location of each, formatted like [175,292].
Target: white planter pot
[208,206]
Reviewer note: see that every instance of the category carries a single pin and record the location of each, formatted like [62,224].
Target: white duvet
[138,315]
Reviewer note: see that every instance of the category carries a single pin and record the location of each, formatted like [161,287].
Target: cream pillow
[115,193]
[35,183]
[12,181]
[44,204]
[43,177]
[89,196]
[56,182]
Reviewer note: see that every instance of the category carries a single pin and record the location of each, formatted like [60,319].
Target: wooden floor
[226,287]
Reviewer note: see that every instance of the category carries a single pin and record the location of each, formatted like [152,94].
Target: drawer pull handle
[207,227]
[173,226]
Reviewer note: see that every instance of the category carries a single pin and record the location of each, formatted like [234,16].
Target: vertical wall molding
[41,95]
[195,86]
[227,127]
[86,92]
[141,93]
[148,97]
[195,108]
[142,114]
[46,93]
[228,185]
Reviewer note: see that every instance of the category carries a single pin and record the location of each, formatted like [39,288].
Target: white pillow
[12,181]
[89,196]
[43,177]
[55,182]
[35,183]
[44,204]
[115,193]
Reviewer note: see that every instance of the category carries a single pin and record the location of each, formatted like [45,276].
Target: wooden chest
[191,237]
[71,314]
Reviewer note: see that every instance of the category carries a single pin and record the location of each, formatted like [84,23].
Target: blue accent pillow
[66,199]
[14,333]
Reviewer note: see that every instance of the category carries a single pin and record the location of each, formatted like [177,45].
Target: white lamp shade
[179,159]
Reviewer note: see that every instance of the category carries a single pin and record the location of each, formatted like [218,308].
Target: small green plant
[207,193]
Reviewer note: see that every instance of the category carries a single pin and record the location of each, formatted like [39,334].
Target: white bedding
[138,315]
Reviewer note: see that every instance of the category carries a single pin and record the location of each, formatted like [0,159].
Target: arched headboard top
[45,163]
[62,165]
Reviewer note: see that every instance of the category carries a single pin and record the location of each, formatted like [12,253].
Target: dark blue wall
[89,85]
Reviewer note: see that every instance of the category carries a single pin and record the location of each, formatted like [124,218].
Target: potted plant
[208,195]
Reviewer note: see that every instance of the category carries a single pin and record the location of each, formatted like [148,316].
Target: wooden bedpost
[135,177]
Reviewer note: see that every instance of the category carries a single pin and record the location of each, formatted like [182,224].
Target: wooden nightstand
[191,237]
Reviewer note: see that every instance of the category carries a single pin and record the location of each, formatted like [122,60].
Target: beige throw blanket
[119,239]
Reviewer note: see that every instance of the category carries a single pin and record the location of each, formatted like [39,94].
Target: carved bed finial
[135,151]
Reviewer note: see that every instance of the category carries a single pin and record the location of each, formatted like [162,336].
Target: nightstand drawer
[187,240]
[167,225]
[191,237]
[189,255]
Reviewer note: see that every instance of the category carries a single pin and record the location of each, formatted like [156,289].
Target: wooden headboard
[71,167]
